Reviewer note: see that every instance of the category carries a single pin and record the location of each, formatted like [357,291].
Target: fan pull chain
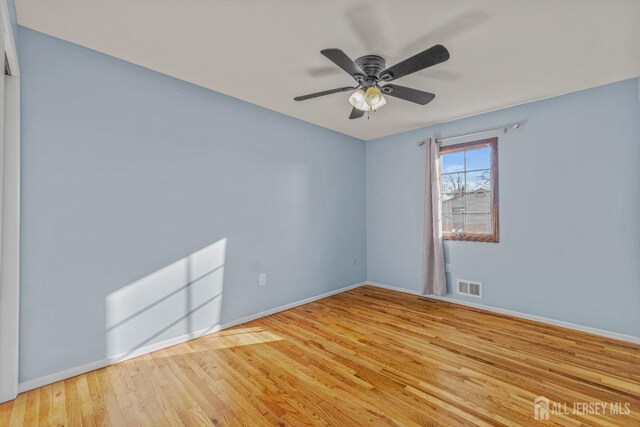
[369,113]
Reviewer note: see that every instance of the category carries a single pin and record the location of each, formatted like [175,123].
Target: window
[469,191]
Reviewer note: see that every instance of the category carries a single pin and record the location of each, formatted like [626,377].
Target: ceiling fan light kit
[370,100]
[370,70]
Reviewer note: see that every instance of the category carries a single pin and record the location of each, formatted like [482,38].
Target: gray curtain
[433,272]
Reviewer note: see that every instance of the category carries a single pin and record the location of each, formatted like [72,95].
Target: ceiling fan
[370,70]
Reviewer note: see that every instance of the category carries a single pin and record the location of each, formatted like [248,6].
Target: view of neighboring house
[467,212]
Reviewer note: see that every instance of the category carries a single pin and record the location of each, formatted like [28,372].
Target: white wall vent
[469,288]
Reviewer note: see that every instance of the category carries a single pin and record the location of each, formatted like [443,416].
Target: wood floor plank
[18,410]
[368,356]
[32,408]
[6,410]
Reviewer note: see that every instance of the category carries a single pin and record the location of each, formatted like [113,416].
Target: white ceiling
[503,52]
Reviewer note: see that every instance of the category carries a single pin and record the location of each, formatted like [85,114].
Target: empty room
[320,213]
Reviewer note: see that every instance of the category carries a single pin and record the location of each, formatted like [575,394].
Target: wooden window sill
[486,238]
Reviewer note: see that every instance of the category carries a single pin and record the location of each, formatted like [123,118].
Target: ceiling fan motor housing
[372,66]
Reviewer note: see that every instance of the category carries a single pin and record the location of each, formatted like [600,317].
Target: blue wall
[569,208]
[126,171]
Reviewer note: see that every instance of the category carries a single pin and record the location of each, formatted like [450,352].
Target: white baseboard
[395,288]
[548,321]
[92,366]
[63,375]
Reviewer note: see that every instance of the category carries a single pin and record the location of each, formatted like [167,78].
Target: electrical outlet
[353,262]
[262,279]
[447,268]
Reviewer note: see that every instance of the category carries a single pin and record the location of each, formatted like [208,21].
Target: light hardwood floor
[364,357]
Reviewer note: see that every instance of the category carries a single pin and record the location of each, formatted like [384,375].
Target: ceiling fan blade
[425,59]
[323,93]
[408,94]
[355,113]
[341,59]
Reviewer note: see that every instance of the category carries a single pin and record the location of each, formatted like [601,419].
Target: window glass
[469,191]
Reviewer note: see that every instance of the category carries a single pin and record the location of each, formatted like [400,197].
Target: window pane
[453,204]
[478,181]
[453,183]
[452,223]
[478,223]
[479,159]
[477,202]
[453,162]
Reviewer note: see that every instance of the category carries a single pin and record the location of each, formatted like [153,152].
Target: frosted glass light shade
[379,104]
[373,96]
[357,99]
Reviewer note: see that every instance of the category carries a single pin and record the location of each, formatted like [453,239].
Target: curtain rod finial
[420,143]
